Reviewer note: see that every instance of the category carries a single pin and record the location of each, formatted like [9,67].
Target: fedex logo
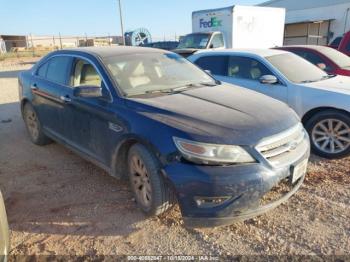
[213,22]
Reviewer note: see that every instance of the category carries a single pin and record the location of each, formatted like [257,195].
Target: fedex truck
[234,27]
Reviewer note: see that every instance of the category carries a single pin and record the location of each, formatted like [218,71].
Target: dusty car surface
[322,101]
[326,58]
[153,117]
[4,232]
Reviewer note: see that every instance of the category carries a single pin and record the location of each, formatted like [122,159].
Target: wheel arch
[311,113]
[23,102]
[119,157]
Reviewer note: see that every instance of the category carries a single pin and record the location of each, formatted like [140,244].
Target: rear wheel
[33,126]
[330,134]
[151,192]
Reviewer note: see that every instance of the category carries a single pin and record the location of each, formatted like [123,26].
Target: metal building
[313,21]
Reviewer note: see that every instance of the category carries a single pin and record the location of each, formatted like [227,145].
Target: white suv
[322,101]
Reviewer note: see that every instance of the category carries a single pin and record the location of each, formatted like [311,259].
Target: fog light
[207,202]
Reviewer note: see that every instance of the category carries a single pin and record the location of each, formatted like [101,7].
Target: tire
[152,195]
[33,126]
[327,128]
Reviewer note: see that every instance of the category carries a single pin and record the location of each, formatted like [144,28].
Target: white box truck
[234,27]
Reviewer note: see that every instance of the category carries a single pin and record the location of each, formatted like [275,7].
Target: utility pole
[121,21]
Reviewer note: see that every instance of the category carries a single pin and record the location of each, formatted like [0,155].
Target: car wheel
[329,133]
[151,192]
[33,126]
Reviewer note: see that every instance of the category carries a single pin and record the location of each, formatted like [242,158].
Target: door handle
[65,99]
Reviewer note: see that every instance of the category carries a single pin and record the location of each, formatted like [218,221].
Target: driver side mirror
[87,91]
[268,79]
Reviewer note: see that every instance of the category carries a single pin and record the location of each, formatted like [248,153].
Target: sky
[163,18]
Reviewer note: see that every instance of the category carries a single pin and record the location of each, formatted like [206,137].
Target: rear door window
[58,69]
[42,70]
[217,65]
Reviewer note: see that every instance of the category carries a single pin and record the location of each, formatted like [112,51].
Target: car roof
[257,52]
[109,51]
[313,47]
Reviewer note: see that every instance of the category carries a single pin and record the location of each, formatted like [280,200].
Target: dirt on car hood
[340,84]
[224,113]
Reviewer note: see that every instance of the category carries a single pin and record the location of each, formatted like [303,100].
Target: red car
[326,58]
[342,43]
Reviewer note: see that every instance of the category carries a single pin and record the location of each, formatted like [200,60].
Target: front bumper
[243,186]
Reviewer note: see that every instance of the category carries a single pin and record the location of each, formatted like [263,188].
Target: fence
[34,46]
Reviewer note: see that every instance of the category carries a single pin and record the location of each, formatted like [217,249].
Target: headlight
[212,153]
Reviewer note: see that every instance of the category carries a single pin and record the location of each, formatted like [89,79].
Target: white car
[322,101]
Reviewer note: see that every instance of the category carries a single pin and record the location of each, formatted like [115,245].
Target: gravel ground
[59,204]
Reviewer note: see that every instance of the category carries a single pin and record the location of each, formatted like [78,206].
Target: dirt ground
[59,204]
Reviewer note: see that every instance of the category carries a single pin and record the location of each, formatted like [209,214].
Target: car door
[49,85]
[92,127]
[247,71]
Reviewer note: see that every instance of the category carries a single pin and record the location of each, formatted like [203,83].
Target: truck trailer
[234,27]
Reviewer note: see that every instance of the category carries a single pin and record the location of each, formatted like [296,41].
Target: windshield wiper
[329,76]
[177,90]
[323,78]
[168,91]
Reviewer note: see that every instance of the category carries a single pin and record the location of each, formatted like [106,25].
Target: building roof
[108,51]
[301,5]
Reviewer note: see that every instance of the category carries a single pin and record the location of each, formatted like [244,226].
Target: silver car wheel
[331,136]
[140,181]
[32,123]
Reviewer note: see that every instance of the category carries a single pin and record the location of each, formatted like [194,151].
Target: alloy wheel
[331,136]
[32,123]
[140,181]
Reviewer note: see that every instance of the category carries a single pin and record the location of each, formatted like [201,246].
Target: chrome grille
[285,147]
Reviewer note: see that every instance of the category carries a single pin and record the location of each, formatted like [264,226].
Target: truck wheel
[151,192]
[329,133]
[33,126]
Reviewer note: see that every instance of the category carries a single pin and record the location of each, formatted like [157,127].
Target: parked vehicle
[342,43]
[234,27]
[335,43]
[326,58]
[4,232]
[175,132]
[321,100]
[165,45]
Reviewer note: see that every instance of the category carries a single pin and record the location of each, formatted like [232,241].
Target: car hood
[340,84]
[221,114]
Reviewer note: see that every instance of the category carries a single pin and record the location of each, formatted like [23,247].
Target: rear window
[57,70]
[217,65]
[42,70]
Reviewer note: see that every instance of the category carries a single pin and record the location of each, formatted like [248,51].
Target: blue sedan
[178,135]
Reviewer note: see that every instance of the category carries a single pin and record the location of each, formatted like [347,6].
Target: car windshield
[340,59]
[137,74]
[197,41]
[297,69]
